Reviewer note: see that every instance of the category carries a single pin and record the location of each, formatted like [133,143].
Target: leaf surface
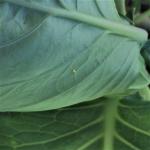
[81,127]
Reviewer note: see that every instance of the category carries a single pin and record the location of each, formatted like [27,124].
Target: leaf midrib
[132,32]
[111,111]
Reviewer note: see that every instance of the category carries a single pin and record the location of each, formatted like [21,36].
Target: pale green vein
[117,28]
[23,36]
[92,141]
[110,122]
[64,135]
[121,139]
[132,126]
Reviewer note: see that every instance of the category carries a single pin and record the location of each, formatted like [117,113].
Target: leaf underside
[49,62]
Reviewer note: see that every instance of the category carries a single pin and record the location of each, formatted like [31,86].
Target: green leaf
[59,53]
[83,127]
[143,77]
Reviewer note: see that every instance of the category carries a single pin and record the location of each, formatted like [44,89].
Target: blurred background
[138,12]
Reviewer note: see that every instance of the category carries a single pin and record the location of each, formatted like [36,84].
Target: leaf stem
[117,28]
[137,6]
[110,121]
[120,4]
